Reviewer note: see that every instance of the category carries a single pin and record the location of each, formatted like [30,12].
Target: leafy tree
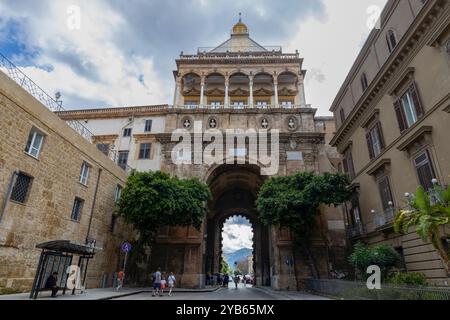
[295,201]
[154,199]
[383,256]
[224,267]
[427,212]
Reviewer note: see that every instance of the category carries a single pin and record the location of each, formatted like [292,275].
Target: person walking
[226,280]
[156,282]
[171,283]
[236,280]
[119,280]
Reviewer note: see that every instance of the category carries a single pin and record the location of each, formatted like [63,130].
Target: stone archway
[234,190]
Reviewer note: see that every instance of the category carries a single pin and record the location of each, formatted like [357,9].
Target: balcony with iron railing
[385,218]
[208,53]
[53,104]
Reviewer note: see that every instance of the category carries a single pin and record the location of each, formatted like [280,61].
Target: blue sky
[124,51]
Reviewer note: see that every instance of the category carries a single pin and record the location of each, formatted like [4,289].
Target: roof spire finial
[240,16]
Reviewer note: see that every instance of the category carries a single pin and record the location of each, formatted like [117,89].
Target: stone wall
[46,213]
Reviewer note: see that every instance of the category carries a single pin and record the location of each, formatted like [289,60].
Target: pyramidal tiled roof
[239,41]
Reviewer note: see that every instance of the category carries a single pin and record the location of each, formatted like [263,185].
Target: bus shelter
[58,256]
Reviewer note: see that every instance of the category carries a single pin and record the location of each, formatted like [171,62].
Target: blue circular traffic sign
[126,247]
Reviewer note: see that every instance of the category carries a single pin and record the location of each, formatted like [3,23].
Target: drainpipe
[93,205]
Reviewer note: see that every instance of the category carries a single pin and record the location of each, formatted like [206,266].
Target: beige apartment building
[54,186]
[393,122]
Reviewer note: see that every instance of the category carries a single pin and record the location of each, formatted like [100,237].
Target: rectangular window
[76,209]
[118,193]
[144,150]
[113,223]
[408,108]
[103,147]
[34,143]
[385,193]
[123,159]
[191,104]
[424,170]
[375,141]
[127,132]
[348,163]
[261,104]
[148,125]
[287,104]
[238,104]
[21,187]
[215,104]
[84,173]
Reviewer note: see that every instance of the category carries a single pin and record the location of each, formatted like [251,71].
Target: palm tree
[428,212]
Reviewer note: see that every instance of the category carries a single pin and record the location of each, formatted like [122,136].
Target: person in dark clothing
[51,283]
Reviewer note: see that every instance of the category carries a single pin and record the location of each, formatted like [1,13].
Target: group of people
[161,281]
[217,280]
[222,280]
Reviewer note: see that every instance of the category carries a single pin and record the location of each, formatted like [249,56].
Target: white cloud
[85,63]
[236,236]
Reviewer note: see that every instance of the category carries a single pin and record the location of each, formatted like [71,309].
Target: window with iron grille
[76,209]
[84,173]
[21,187]
[148,125]
[34,143]
[144,150]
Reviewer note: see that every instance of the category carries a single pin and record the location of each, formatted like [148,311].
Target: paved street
[243,293]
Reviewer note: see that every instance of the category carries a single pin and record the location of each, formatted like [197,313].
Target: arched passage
[234,190]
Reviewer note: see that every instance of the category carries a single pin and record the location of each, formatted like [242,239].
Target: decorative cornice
[416,135]
[107,113]
[379,165]
[144,136]
[406,76]
[223,60]
[109,137]
[370,118]
[163,110]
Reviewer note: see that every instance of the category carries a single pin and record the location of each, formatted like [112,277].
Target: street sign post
[126,247]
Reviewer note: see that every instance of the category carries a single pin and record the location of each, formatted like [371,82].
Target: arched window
[391,40]
[364,82]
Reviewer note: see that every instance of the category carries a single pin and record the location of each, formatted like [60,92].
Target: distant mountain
[237,256]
